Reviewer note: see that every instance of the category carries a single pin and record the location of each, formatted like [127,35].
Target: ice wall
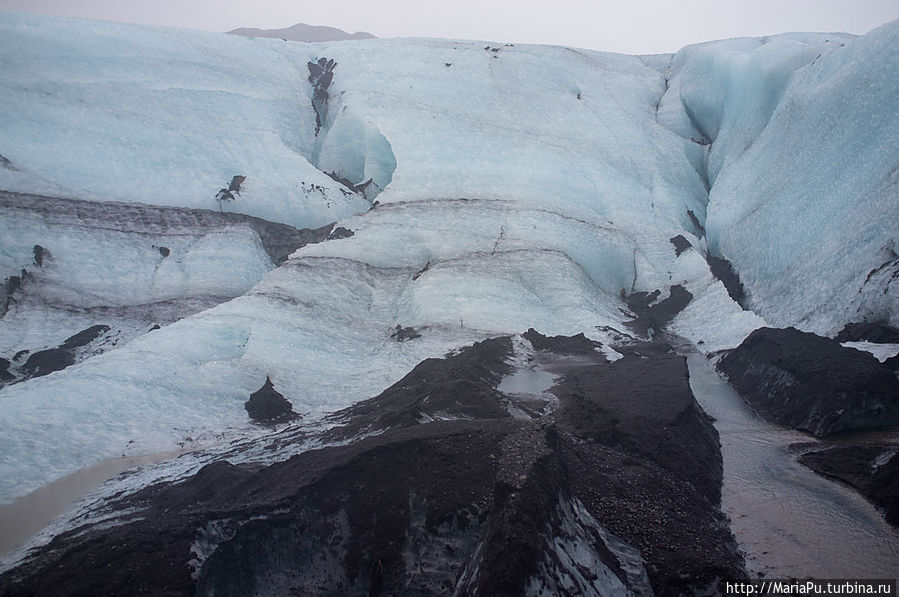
[803,155]
[522,186]
[91,110]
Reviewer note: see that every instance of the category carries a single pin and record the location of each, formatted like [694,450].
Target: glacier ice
[523,187]
[802,165]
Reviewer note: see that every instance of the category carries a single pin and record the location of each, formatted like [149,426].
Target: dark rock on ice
[10,286]
[808,382]
[696,223]
[339,179]
[84,337]
[871,469]
[419,273]
[340,232]
[164,251]
[652,317]
[40,253]
[462,385]
[321,74]
[5,163]
[878,331]
[267,405]
[401,334]
[236,182]
[680,243]
[224,195]
[368,189]
[47,361]
[638,302]
[5,375]
[724,271]
[578,344]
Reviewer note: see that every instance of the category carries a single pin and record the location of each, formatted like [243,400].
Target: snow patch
[881,352]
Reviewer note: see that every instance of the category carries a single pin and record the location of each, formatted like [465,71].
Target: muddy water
[527,381]
[25,516]
[789,521]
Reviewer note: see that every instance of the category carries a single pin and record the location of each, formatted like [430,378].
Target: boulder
[85,337]
[267,405]
[47,361]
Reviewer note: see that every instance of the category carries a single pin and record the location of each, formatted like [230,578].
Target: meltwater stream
[788,521]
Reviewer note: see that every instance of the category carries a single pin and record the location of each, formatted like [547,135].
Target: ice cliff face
[519,186]
[803,136]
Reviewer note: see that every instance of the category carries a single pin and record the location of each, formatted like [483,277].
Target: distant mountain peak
[303,32]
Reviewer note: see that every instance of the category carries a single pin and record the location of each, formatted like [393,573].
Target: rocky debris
[651,316]
[615,335]
[643,404]
[808,382]
[880,332]
[680,243]
[267,405]
[459,385]
[401,334]
[40,254]
[44,362]
[340,232]
[5,163]
[578,344]
[724,271]
[321,73]
[638,302]
[278,240]
[871,469]
[433,488]
[164,251]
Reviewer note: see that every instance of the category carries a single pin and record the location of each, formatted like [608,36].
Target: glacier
[515,186]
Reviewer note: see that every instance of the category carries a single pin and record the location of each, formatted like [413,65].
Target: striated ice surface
[520,186]
[92,110]
[803,164]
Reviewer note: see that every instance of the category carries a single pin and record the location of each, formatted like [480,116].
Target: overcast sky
[630,26]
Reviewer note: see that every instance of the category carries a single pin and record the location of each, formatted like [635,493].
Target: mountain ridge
[303,32]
